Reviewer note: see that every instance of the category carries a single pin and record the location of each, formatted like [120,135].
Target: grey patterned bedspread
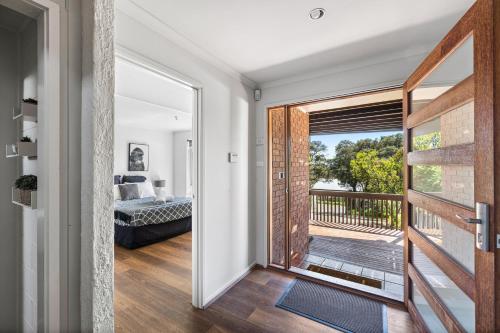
[146,211]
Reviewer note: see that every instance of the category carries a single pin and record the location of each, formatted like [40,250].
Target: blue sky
[332,140]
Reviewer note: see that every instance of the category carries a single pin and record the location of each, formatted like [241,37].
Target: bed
[145,221]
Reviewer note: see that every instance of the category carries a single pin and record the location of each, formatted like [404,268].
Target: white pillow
[116,193]
[145,189]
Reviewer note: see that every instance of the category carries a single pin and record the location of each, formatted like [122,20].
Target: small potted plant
[25,185]
[30,101]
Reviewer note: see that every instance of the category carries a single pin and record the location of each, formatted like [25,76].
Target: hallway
[153,294]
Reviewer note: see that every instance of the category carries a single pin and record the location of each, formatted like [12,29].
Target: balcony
[358,237]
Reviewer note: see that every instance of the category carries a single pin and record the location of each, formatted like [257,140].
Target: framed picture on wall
[138,157]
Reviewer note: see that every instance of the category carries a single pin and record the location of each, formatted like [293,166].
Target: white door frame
[50,166]
[135,58]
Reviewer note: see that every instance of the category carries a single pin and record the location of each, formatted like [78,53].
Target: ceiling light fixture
[317,13]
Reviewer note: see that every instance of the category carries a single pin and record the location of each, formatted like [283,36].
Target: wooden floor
[153,294]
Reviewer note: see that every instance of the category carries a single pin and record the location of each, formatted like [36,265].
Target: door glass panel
[451,182]
[456,242]
[432,321]
[455,127]
[459,304]
[457,67]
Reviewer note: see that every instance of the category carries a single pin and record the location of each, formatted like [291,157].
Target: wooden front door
[288,185]
[452,129]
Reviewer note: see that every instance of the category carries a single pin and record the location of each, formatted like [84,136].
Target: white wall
[9,226]
[161,156]
[229,233]
[180,158]
[334,82]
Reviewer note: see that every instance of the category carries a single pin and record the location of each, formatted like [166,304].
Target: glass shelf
[28,149]
[26,199]
[27,111]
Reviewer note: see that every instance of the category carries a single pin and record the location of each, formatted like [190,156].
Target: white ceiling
[270,40]
[148,100]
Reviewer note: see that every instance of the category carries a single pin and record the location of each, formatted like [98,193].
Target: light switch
[260,164]
[233,157]
[260,140]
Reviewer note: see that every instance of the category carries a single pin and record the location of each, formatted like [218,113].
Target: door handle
[482,222]
[469,220]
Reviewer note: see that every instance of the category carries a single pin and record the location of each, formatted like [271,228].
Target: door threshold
[349,286]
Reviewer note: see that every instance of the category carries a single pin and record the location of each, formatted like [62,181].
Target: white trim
[197,243]
[147,103]
[198,162]
[392,84]
[225,288]
[349,66]
[142,61]
[142,15]
[264,259]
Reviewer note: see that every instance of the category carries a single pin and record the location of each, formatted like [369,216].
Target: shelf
[28,112]
[26,199]
[28,149]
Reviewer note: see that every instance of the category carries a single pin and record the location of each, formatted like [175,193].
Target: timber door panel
[449,124]
[288,179]
[277,209]
[298,164]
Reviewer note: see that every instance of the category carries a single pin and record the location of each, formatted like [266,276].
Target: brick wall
[299,185]
[457,127]
[278,186]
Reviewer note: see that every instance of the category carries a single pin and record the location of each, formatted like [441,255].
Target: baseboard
[220,292]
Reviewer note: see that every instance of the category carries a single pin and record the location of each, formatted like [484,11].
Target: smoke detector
[317,13]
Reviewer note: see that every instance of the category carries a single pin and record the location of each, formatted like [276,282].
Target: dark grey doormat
[335,308]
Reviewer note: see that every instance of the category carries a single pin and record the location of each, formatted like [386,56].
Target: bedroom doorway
[155,191]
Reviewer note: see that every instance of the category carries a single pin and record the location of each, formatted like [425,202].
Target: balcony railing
[374,210]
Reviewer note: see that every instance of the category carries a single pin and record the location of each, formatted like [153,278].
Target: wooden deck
[153,294]
[376,254]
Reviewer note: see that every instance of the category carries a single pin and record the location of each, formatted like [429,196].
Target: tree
[340,165]
[318,163]
[376,174]
[389,145]
[427,178]
[427,141]
[378,168]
